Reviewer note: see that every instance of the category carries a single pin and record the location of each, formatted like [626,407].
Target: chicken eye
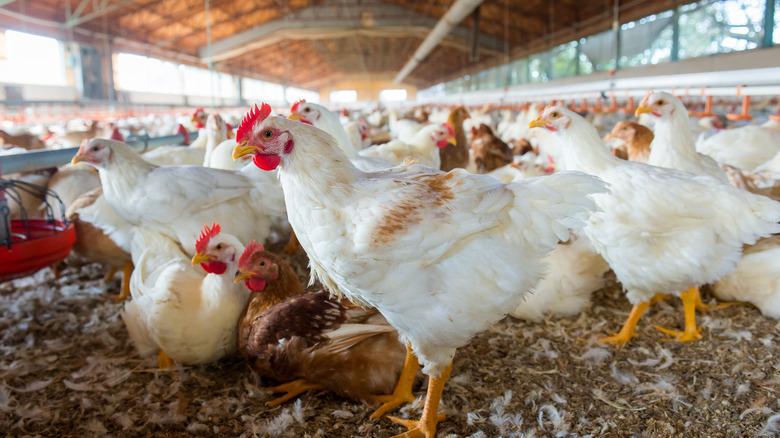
[554,115]
[95,148]
[306,110]
[661,102]
[262,264]
[219,247]
[268,133]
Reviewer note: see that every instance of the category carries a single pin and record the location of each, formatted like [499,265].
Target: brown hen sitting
[310,341]
[488,151]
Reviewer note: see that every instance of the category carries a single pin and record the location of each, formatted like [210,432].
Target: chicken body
[288,335]
[456,156]
[179,309]
[423,148]
[441,255]
[756,278]
[745,148]
[178,200]
[488,152]
[660,230]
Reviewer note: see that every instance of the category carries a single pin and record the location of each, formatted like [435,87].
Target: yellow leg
[426,426]
[691,333]
[163,361]
[403,389]
[292,389]
[125,291]
[292,245]
[110,275]
[627,332]
[701,307]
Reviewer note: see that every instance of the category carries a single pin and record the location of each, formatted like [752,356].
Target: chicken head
[95,151]
[659,104]
[255,268]
[266,139]
[213,250]
[303,112]
[552,118]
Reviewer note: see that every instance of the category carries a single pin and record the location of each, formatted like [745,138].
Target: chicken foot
[701,307]
[292,389]
[403,389]
[691,333]
[426,425]
[125,290]
[627,332]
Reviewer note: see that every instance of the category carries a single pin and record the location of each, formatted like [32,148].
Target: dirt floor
[67,368]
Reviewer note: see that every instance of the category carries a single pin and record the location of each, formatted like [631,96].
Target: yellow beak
[244,149]
[201,258]
[242,275]
[537,123]
[78,157]
[451,140]
[643,109]
[194,119]
[295,116]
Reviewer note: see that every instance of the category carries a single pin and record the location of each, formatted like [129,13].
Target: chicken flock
[421,231]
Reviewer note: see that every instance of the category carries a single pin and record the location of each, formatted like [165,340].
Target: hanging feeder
[29,244]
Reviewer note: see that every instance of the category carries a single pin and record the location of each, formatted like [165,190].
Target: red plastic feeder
[35,244]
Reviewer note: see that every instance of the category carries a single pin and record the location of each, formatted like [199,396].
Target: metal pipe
[452,18]
[43,159]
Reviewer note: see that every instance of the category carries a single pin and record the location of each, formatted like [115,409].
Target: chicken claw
[125,290]
[293,389]
[426,426]
[163,361]
[691,333]
[403,389]
[701,307]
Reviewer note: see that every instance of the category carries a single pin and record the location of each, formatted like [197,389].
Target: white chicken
[423,148]
[745,148]
[574,271]
[672,144]
[187,315]
[661,230]
[322,118]
[441,255]
[216,134]
[756,278]
[177,200]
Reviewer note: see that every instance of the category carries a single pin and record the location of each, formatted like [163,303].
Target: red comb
[197,111]
[294,108]
[254,115]
[249,251]
[205,236]
[449,129]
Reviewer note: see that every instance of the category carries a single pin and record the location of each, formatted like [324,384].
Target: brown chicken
[488,151]
[310,341]
[24,140]
[458,154]
[94,246]
[521,146]
[637,138]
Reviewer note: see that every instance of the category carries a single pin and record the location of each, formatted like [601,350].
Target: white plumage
[756,278]
[177,308]
[178,200]
[661,230]
[441,255]
[745,148]
[672,144]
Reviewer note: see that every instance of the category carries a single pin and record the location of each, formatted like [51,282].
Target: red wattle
[218,268]
[255,283]
[267,162]
[441,143]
